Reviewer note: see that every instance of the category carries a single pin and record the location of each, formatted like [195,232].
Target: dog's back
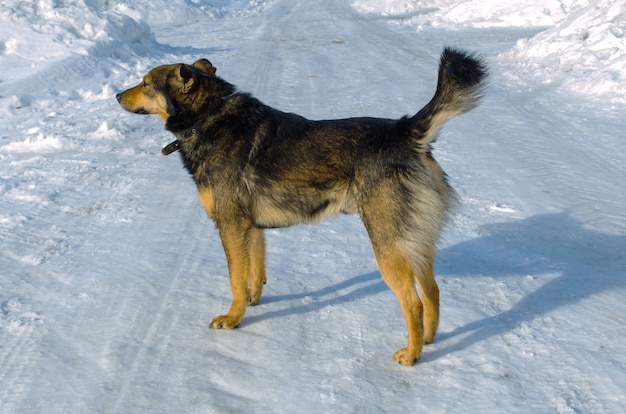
[331,166]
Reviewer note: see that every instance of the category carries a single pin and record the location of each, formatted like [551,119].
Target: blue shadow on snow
[587,262]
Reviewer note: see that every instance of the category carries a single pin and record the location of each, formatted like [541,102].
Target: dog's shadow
[576,263]
[368,284]
[571,262]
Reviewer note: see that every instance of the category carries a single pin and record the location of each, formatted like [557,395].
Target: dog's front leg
[257,265]
[236,241]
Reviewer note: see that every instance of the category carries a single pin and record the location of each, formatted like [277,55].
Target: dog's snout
[119,97]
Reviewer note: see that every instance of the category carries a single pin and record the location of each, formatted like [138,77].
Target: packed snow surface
[111,271]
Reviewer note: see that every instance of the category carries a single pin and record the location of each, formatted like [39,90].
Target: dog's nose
[118,97]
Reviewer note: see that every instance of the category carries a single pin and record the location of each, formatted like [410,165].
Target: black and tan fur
[257,167]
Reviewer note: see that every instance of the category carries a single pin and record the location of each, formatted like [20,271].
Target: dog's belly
[303,205]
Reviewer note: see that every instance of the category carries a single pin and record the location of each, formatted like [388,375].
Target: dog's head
[167,89]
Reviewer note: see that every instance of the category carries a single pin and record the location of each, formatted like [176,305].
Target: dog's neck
[185,119]
[181,125]
[181,122]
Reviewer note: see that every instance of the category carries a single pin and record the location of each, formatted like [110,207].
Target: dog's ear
[205,66]
[187,76]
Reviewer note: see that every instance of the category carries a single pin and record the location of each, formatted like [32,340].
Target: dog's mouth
[140,111]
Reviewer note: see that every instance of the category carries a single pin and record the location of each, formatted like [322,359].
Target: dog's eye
[145,84]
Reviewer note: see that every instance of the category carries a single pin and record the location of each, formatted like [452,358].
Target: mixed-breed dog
[256,167]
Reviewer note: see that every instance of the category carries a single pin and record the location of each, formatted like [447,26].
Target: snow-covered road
[110,270]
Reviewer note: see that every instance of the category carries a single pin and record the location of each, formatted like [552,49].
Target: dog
[257,167]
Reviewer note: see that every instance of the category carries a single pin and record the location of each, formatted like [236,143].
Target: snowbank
[582,49]
[37,34]
[455,14]
[586,52]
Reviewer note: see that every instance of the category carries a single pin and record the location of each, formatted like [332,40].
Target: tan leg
[257,265]
[235,239]
[429,291]
[206,198]
[398,274]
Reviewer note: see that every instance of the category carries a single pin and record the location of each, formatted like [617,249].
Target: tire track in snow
[302,55]
[549,159]
[155,307]
[18,341]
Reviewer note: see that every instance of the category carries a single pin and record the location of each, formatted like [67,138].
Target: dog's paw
[253,301]
[255,297]
[224,322]
[255,291]
[429,339]
[406,357]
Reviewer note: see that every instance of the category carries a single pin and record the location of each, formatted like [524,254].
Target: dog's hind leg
[429,292]
[257,265]
[403,239]
[236,241]
[397,272]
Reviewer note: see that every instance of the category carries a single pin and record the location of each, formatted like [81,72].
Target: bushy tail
[459,88]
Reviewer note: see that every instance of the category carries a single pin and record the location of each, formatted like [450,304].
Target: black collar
[170,148]
[175,145]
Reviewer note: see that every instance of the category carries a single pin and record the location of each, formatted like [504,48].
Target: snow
[581,44]
[111,270]
[586,52]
